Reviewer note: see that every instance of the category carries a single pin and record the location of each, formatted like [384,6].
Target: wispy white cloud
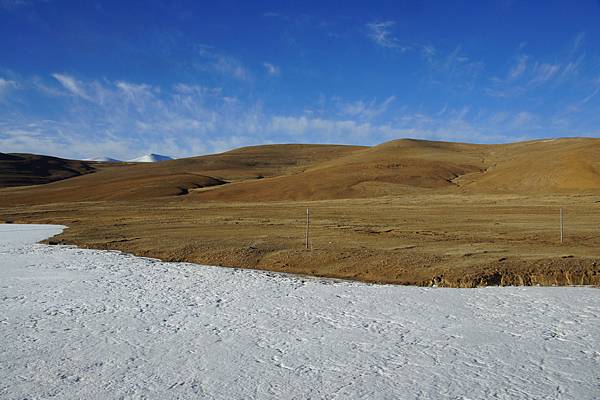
[466,123]
[453,70]
[457,64]
[75,87]
[127,118]
[231,67]
[382,35]
[544,72]
[517,70]
[429,52]
[365,110]
[455,125]
[572,67]
[578,42]
[138,96]
[272,70]
[223,64]
[56,138]
[133,90]
[304,128]
[524,76]
[525,120]
[40,85]
[6,85]
[528,73]
[589,97]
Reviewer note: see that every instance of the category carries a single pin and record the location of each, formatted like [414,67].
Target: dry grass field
[446,240]
[405,212]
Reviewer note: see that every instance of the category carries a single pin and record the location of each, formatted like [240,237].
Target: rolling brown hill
[177,177]
[544,166]
[32,169]
[322,172]
[409,166]
[391,168]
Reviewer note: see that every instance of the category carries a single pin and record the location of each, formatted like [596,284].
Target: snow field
[94,324]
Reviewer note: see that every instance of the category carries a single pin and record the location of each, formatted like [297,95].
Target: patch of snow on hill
[151,158]
[91,324]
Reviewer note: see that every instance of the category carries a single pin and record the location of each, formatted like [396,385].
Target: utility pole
[561,226]
[307,227]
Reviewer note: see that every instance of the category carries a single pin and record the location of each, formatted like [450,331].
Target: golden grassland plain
[404,212]
[445,240]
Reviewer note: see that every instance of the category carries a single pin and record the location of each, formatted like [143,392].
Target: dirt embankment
[409,268]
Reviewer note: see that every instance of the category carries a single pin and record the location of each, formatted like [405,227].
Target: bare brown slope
[31,169]
[543,166]
[170,178]
[319,172]
[407,166]
[396,167]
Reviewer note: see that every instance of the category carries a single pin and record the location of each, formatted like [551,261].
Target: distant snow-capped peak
[151,158]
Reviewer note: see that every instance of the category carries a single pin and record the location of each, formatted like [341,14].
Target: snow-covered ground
[151,158]
[92,324]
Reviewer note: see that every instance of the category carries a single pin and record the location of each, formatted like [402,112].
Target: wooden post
[561,225]
[307,227]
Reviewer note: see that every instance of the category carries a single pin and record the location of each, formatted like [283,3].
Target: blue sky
[183,78]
